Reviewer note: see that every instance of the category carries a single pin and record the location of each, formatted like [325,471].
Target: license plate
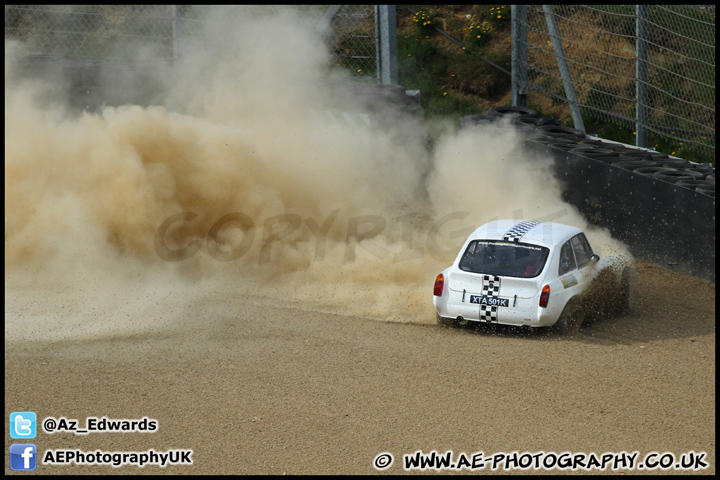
[491,301]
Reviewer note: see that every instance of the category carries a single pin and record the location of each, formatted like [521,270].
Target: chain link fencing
[600,47]
[145,33]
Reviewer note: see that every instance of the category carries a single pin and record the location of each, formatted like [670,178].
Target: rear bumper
[531,316]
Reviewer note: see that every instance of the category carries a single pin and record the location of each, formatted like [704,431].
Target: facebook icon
[23,456]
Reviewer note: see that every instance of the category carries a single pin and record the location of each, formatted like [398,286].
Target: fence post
[518,15]
[641,72]
[386,44]
[563,67]
[178,12]
[322,26]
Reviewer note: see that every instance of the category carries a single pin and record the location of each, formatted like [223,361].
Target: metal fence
[647,69]
[144,33]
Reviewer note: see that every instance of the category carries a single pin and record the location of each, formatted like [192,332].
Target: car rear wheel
[567,322]
[624,294]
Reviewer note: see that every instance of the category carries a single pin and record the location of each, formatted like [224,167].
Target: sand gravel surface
[273,390]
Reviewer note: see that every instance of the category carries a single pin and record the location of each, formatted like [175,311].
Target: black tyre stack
[548,132]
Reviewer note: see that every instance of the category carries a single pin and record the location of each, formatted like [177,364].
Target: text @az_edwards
[100,425]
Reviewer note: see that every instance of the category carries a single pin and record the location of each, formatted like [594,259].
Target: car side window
[567,259]
[587,244]
[581,252]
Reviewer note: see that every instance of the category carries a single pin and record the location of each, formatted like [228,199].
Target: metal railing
[650,69]
[146,33]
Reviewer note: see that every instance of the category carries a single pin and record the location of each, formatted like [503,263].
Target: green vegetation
[477,35]
[455,83]
[424,23]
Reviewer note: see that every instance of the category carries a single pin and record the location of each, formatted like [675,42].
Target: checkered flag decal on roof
[491,288]
[516,233]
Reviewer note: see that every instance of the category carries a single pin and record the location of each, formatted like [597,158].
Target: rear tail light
[545,296]
[439,282]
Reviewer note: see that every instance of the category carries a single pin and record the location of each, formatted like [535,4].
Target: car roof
[547,234]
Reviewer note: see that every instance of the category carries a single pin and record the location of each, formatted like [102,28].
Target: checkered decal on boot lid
[516,233]
[491,288]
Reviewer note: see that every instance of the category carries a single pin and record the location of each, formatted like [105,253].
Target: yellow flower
[359,70]
[499,16]
[445,93]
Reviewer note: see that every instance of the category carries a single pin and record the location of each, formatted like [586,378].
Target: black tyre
[565,147]
[595,142]
[548,140]
[633,164]
[653,170]
[526,124]
[591,152]
[709,190]
[672,162]
[705,171]
[606,159]
[624,293]
[693,184]
[698,175]
[655,156]
[512,111]
[567,322]
[674,176]
[560,131]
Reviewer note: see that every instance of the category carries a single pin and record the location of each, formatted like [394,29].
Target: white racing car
[529,273]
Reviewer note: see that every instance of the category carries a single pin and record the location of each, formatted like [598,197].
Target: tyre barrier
[608,159]
[527,121]
[673,176]
[533,121]
[672,162]
[592,152]
[637,194]
[653,170]
[595,142]
[547,121]
[705,170]
[550,140]
[690,172]
[646,154]
[565,146]
[623,149]
[622,189]
[694,184]
[512,111]
[560,131]
[632,164]
[709,190]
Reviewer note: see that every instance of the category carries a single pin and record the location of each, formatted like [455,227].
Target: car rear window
[504,259]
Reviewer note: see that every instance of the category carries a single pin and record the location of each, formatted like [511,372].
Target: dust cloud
[239,187]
